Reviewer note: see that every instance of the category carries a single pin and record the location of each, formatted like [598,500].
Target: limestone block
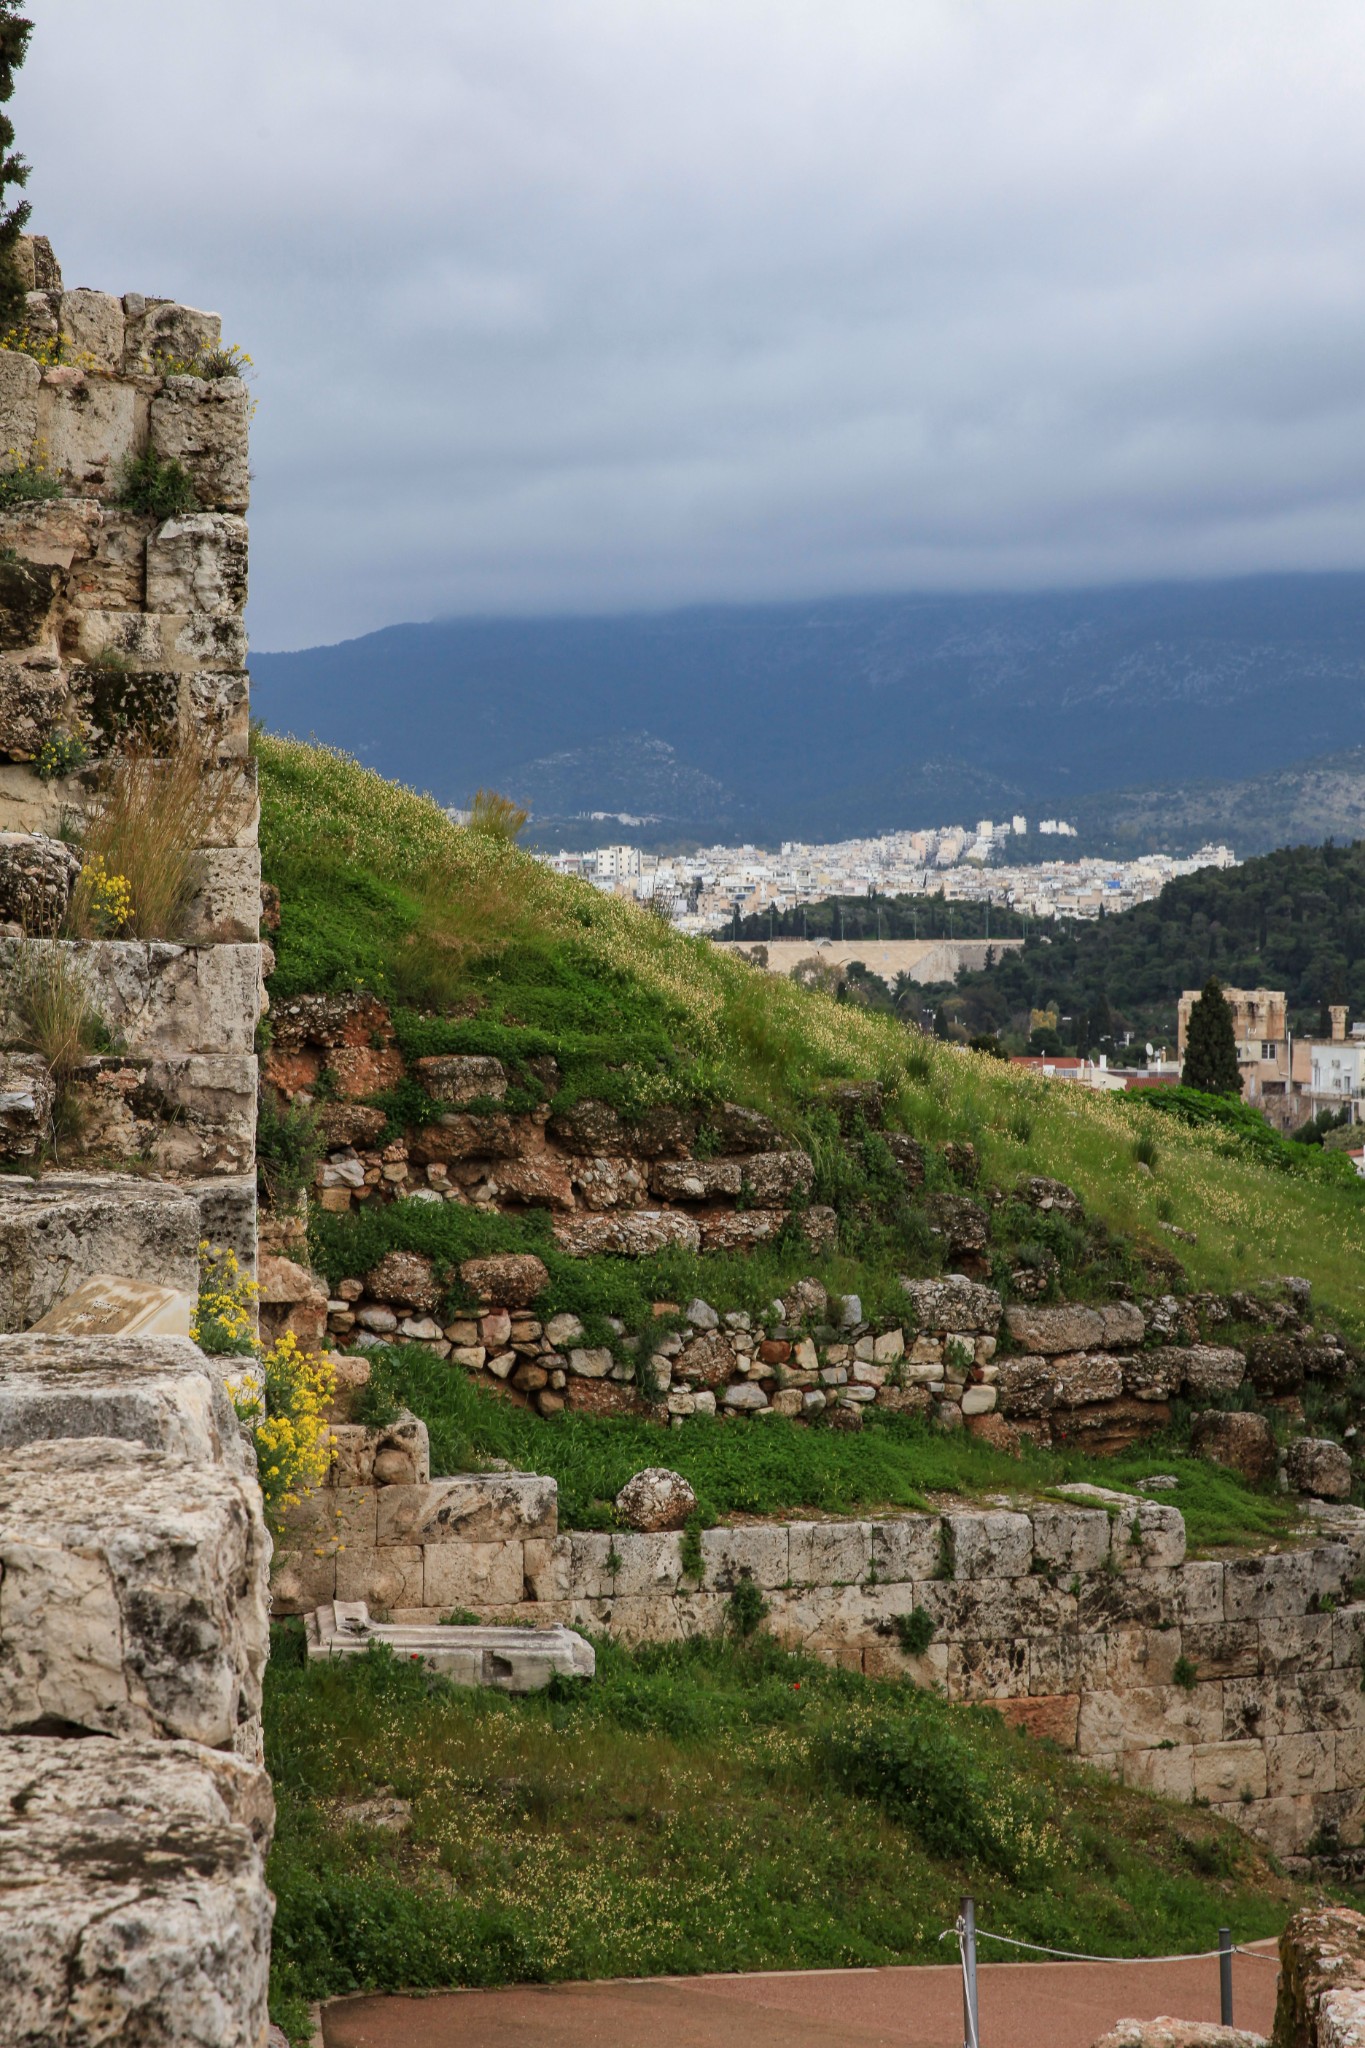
[1300,1763]
[474,1507]
[745,1397]
[161,998]
[991,1544]
[59,1231]
[1154,1598]
[160,1392]
[906,1548]
[1124,1325]
[472,1574]
[1228,1770]
[773,1178]
[548,1566]
[37,875]
[1060,1665]
[1219,1649]
[1143,1717]
[214,704]
[761,1553]
[132,1592]
[1156,1374]
[629,1234]
[20,379]
[209,1103]
[384,1575]
[1046,1719]
[1301,1644]
[156,641]
[108,564]
[89,426]
[302,1578]
[1085,1376]
[1268,1588]
[1243,1443]
[133,1900]
[992,1668]
[648,1564]
[357,1450]
[1070,1539]
[955,1304]
[1027,1386]
[655,1499]
[1214,1369]
[1148,1535]
[696,1180]
[1319,1467]
[740,1230]
[609,1183]
[227,1214]
[158,331]
[91,323]
[33,697]
[27,1098]
[198,563]
[1167,1772]
[829,1553]
[202,423]
[1054,1329]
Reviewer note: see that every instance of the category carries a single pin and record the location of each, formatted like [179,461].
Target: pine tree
[15,30]
[1211,1046]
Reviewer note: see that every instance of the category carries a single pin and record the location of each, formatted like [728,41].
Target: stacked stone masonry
[133,1550]
[1078,1620]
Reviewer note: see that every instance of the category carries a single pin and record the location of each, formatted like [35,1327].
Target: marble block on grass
[509,1659]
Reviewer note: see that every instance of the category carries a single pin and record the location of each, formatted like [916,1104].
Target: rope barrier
[1072,1955]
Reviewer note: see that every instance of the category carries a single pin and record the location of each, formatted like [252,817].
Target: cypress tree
[15,30]
[1211,1047]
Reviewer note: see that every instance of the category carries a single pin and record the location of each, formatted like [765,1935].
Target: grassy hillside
[481,949]
[715,1805]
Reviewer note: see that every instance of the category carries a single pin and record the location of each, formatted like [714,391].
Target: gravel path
[1023,2005]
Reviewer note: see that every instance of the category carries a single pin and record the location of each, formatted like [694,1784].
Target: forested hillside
[1293,920]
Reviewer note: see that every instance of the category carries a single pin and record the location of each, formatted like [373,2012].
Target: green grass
[716,1805]
[379,890]
[773,1466]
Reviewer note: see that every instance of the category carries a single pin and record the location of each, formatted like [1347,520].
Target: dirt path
[1023,2005]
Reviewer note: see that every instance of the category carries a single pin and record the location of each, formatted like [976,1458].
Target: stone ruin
[133,1551]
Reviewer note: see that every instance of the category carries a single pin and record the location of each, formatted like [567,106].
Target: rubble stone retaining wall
[1236,1681]
[1322,1981]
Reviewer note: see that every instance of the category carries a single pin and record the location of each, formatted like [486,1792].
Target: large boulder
[1053,1329]
[626,1234]
[462,1077]
[1052,1197]
[1318,1467]
[404,1277]
[506,1279]
[133,1900]
[955,1305]
[1243,1443]
[656,1499]
[37,875]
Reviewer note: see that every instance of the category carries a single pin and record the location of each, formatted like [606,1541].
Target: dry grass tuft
[153,812]
[52,1008]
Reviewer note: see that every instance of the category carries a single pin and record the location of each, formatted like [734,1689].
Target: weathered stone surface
[1243,1443]
[588,1127]
[292,1298]
[160,1392]
[402,1445]
[202,424]
[132,1593]
[32,700]
[1028,1386]
[1322,1980]
[133,1900]
[1085,1376]
[608,1183]
[1054,1329]
[405,1277]
[89,426]
[198,563]
[27,1098]
[1168,2033]
[64,1229]
[696,1180]
[954,1305]
[631,1234]
[1319,1467]
[656,1499]
[37,875]
[1053,1197]
[739,1230]
[20,378]
[737,1129]
[461,1077]
[707,1360]
[510,1659]
[1156,1374]
[511,1279]
[908,1154]
[1103,1428]
[225,908]
[1124,1325]
[472,1507]
[770,1178]
[227,1214]
[1214,1369]
[1275,1365]
[159,998]
[744,1396]
[964,1225]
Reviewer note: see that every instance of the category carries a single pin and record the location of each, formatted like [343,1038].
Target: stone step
[62,1230]
[508,1659]
[160,1392]
[133,1595]
[133,1900]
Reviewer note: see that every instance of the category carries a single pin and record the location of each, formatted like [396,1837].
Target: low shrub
[289,1144]
[27,483]
[162,489]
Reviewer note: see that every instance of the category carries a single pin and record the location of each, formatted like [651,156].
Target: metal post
[1225,1974]
[971,2037]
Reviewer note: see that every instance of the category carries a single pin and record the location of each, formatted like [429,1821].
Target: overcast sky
[604,304]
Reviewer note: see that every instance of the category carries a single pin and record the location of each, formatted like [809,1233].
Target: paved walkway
[1023,2005]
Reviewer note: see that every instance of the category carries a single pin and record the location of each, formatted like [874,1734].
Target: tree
[1210,1046]
[15,30]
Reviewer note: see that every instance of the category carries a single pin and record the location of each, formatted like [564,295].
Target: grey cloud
[582,304]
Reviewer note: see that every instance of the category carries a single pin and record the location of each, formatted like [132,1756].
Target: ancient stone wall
[133,1551]
[1237,1680]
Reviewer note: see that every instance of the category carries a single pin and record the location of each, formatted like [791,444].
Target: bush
[289,1145]
[146,484]
[914,1631]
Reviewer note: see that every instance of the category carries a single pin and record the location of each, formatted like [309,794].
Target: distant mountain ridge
[859,715]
